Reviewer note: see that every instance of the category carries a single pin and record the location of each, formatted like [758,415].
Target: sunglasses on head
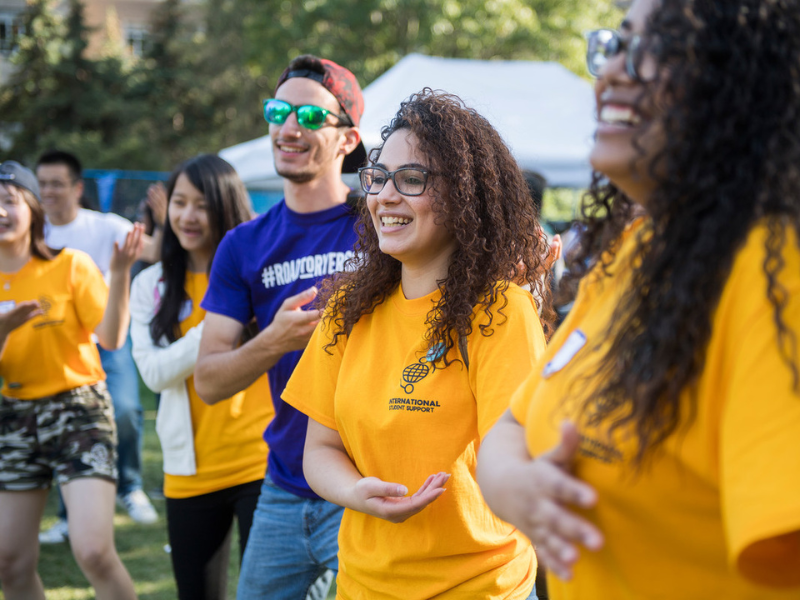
[308,115]
[605,44]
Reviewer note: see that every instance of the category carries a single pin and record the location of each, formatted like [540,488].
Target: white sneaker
[57,534]
[319,590]
[139,507]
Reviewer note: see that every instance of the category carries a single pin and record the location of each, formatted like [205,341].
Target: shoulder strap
[462,347]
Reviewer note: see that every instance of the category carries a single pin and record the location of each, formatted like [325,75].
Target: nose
[290,127]
[389,193]
[191,213]
[615,69]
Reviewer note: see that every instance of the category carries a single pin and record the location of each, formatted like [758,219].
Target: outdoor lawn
[140,546]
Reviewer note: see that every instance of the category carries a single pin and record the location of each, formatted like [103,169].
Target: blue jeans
[122,380]
[292,541]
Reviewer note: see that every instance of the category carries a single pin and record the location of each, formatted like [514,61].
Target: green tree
[193,75]
[374,36]
[59,97]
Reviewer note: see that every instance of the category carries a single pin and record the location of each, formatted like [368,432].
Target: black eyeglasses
[308,115]
[409,181]
[605,44]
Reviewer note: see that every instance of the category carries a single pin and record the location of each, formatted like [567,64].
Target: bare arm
[225,368]
[531,494]
[113,329]
[331,474]
[157,201]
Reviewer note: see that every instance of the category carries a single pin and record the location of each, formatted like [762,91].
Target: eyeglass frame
[391,175]
[630,46]
[344,121]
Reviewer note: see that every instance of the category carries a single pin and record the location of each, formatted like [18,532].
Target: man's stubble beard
[296,176]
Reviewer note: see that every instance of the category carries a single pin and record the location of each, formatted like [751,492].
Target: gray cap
[14,173]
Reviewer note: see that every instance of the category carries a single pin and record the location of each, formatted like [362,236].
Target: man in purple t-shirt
[268,269]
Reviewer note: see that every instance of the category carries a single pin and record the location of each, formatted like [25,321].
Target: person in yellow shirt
[214,456]
[419,350]
[653,451]
[56,417]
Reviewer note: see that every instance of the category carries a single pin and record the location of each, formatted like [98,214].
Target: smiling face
[407,226]
[301,154]
[15,219]
[188,218]
[629,133]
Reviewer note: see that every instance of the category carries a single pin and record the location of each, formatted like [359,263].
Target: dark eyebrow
[405,166]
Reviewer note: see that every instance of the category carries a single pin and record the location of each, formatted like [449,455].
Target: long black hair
[730,74]
[228,205]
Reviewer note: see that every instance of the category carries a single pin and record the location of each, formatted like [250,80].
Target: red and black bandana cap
[343,85]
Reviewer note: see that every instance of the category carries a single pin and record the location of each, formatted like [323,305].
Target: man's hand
[292,326]
[157,201]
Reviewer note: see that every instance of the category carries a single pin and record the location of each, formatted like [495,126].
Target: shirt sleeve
[228,293]
[312,386]
[759,433]
[89,290]
[160,366]
[501,362]
[120,225]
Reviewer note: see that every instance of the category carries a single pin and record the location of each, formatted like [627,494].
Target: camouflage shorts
[69,435]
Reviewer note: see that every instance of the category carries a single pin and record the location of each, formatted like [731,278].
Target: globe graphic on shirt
[414,373]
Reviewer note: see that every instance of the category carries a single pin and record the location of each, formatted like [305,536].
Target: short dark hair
[60,157]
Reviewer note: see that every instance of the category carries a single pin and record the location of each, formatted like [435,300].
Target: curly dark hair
[481,197]
[731,158]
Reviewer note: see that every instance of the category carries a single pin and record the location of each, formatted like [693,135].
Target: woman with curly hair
[418,351]
[663,421]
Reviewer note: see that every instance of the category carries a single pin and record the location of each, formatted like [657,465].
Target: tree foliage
[59,97]
[372,37]
[207,65]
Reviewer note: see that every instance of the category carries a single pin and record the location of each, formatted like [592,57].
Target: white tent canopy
[543,111]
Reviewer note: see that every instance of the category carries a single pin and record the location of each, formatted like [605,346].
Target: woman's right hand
[389,500]
[535,494]
[19,315]
[543,488]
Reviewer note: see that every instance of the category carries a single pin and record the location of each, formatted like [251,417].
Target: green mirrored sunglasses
[308,115]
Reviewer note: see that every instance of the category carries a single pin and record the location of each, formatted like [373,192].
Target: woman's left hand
[389,501]
[123,257]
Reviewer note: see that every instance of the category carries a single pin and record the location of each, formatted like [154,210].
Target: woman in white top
[214,456]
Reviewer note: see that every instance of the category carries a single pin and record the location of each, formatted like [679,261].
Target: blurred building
[11,28]
[118,22]
[115,25]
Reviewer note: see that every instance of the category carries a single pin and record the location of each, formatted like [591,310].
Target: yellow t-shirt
[228,443]
[54,352]
[401,420]
[724,481]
